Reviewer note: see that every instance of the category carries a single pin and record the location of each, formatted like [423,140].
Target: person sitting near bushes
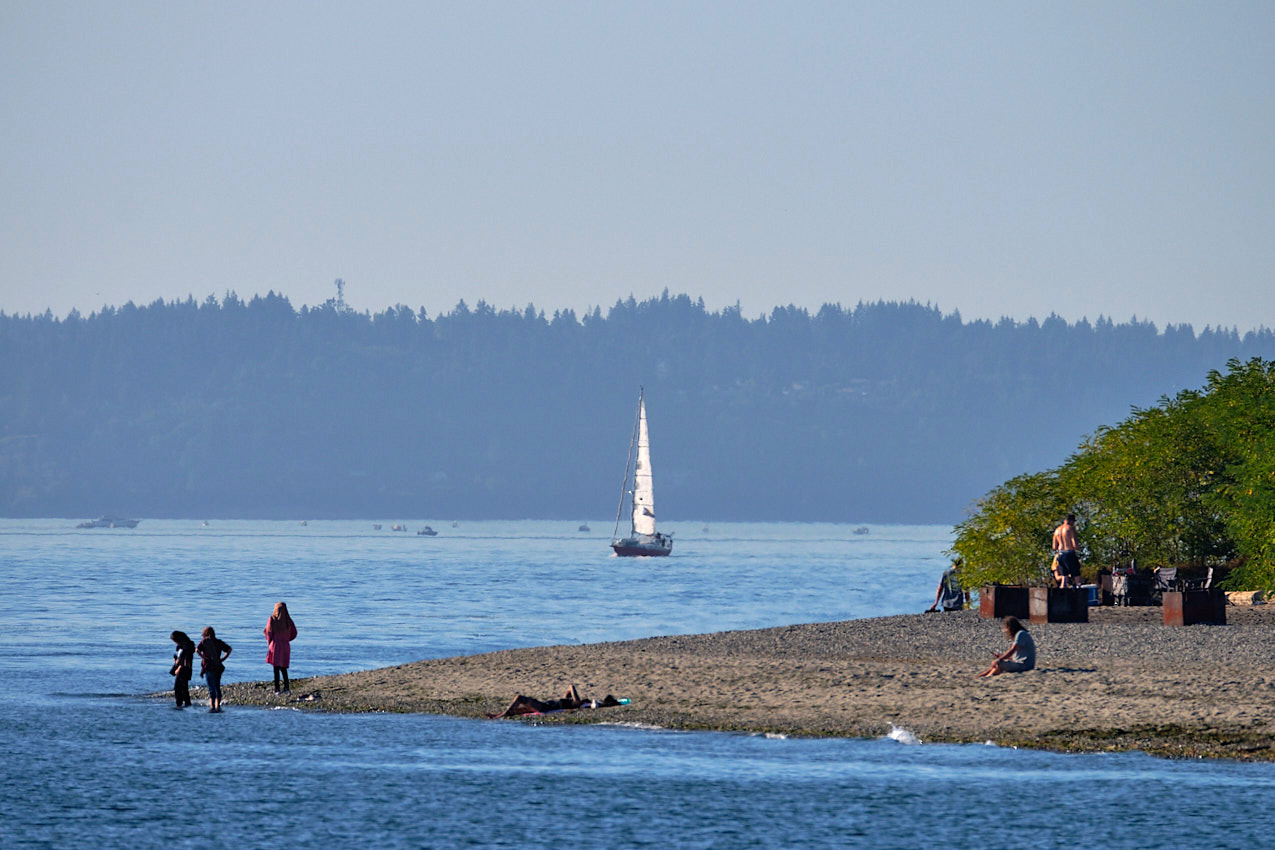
[950,593]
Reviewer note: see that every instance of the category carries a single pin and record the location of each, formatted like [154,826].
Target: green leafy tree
[1241,407]
[1007,539]
[1143,485]
[1190,482]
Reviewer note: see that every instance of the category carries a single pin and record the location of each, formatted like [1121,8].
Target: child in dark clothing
[183,667]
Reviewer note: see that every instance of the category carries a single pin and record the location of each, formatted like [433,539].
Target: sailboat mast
[628,463]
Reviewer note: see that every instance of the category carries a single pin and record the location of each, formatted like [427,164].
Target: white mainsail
[643,484]
[645,540]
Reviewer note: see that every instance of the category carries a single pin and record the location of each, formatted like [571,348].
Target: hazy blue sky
[1016,158]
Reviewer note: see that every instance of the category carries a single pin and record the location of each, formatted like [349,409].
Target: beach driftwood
[1122,681]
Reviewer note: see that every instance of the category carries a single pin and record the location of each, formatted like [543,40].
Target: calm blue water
[85,615]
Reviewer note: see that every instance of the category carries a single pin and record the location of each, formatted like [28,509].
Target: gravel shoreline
[1123,681]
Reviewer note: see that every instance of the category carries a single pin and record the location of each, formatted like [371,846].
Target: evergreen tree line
[885,412]
[1189,482]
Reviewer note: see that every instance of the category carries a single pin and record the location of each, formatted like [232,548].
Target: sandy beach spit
[1123,681]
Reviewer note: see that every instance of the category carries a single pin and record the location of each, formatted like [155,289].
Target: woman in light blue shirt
[1021,655]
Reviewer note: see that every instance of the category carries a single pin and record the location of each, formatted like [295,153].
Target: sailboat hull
[632,547]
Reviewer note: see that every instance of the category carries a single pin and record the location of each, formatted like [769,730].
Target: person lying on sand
[570,700]
[1021,655]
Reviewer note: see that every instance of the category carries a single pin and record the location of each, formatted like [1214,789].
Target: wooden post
[1001,600]
[1059,605]
[1188,607]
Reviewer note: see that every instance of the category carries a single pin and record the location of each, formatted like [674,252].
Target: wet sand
[1123,681]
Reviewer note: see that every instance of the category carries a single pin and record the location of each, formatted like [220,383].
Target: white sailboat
[643,539]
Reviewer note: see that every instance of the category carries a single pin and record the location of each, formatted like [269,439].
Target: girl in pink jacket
[280,631]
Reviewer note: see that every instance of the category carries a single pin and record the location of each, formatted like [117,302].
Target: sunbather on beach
[571,699]
[1021,655]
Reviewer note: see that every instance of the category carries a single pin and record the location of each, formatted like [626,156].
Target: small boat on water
[376,526]
[643,539]
[427,532]
[109,522]
[863,529]
[584,526]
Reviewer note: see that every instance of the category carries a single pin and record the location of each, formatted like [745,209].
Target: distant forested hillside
[886,412]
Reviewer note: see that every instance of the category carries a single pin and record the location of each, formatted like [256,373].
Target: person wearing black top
[213,652]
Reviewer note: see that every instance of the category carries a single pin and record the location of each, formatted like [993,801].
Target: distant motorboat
[863,529]
[376,526]
[427,532]
[398,527]
[584,526]
[643,539]
[109,522]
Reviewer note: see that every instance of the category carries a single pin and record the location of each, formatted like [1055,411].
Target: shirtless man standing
[1065,547]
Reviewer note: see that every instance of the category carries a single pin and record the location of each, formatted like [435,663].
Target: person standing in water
[280,631]
[183,667]
[213,652]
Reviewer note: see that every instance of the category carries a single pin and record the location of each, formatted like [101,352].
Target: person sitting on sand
[570,700]
[1021,655]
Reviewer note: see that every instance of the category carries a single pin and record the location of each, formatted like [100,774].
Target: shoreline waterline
[1122,682]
